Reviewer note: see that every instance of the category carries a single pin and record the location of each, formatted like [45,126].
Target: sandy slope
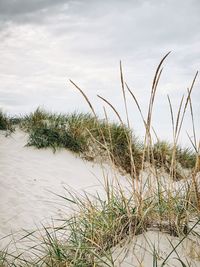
[138,251]
[28,177]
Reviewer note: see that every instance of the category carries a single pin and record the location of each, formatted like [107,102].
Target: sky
[44,43]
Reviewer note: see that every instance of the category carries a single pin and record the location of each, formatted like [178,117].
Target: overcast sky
[44,43]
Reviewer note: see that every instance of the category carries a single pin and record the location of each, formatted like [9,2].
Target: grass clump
[58,131]
[35,119]
[98,225]
[5,122]
[163,151]
[186,157]
[52,137]
[94,138]
[123,147]
[86,238]
[95,230]
[83,134]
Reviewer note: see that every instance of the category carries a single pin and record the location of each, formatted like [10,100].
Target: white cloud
[43,44]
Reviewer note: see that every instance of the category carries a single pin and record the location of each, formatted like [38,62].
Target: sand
[138,251]
[32,179]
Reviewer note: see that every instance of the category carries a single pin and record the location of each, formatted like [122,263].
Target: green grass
[87,237]
[5,122]
[83,134]
[162,152]
[94,138]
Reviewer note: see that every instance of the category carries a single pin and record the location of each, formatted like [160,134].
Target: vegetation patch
[94,138]
[5,122]
[87,237]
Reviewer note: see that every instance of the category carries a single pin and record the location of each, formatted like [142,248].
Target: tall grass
[95,138]
[152,201]
[84,134]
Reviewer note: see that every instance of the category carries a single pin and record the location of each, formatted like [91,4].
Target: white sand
[138,251]
[30,178]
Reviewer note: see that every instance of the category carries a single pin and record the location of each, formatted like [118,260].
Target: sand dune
[30,178]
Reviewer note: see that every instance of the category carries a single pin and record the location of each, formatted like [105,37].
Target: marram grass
[6,123]
[94,138]
[83,134]
[86,238]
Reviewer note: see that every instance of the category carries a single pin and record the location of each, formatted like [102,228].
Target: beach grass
[154,201]
[85,134]
[95,138]
[6,122]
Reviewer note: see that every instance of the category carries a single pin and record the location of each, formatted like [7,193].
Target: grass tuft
[5,122]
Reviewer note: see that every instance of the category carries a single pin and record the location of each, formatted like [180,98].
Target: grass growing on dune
[163,152]
[87,237]
[54,130]
[83,134]
[93,138]
[5,122]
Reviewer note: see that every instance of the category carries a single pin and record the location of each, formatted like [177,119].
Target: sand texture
[30,178]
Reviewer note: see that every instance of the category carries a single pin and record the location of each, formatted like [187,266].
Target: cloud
[14,8]
[26,12]
[44,43]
